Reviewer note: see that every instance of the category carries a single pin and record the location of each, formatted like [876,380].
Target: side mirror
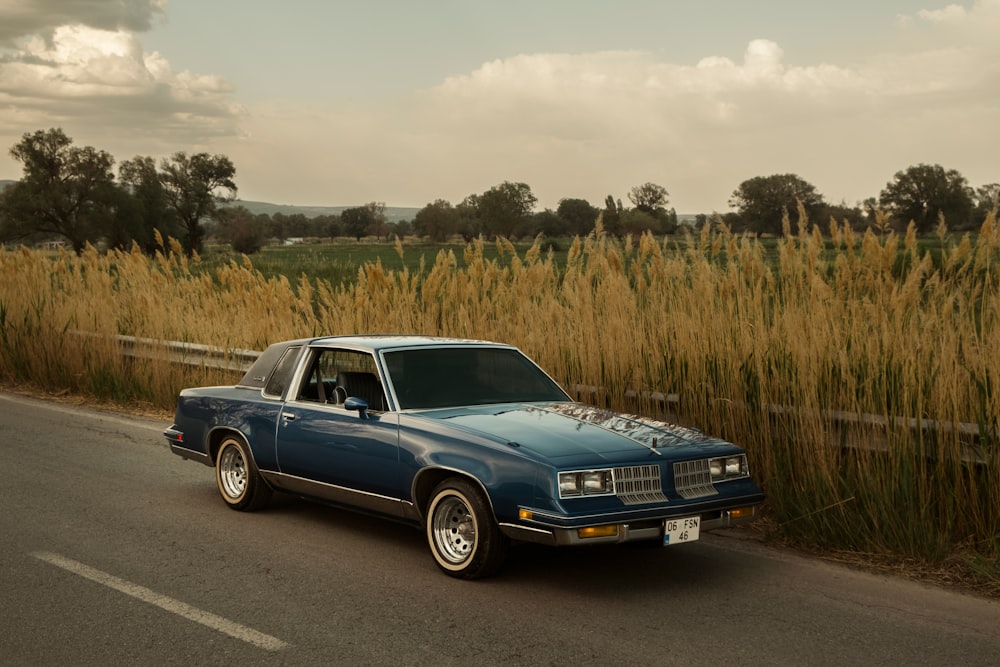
[359,404]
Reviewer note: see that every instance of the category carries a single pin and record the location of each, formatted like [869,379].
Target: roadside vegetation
[793,347]
[855,360]
[69,195]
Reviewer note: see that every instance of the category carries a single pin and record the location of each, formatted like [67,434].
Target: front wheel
[240,485]
[462,533]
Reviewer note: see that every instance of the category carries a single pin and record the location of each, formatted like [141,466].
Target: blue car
[469,440]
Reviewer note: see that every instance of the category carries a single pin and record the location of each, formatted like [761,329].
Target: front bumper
[631,530]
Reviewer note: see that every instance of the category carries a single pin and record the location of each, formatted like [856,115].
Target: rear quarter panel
[204,412]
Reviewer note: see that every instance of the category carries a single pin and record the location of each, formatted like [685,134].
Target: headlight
[570,484]
[735,466]
[586,483]
[728,467]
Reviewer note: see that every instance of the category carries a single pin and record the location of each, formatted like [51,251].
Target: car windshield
[456,376]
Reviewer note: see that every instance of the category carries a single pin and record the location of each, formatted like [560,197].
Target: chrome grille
[693,479]
[635,485]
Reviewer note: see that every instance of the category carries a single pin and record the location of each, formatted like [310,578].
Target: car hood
[561,432]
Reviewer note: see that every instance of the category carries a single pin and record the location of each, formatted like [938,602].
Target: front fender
[506,478]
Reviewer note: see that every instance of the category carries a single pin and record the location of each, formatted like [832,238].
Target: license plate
[684,529]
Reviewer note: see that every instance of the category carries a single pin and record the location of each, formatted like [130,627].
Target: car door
[347,456]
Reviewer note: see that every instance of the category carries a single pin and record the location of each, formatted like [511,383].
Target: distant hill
[392,213]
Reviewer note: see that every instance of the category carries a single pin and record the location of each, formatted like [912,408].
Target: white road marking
[207,619]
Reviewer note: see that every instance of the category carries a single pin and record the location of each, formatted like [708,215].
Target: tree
[925,192]
[241,229]
[148,211]
[612,213]
[667,220]
[190,184]
[503,208]
[437,221]
[401,229]
[635,222]
[470,225]
[329,225]
[987,199]
[649,198]
[376,212]
[854,216]
[65,190]
[577,215]
[357,221]
[733,221]
[548,223]
[124,224]
[763,200]
[296,224]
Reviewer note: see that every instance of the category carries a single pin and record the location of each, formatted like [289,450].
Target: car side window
[334,375]
[282,372]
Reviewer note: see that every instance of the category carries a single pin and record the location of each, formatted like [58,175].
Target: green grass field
[338,263]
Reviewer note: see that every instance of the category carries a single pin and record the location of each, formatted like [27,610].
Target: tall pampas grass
[831,340]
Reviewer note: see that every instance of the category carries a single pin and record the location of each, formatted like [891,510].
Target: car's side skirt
[342,495]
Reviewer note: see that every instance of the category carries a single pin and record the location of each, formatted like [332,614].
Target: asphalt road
[115,551]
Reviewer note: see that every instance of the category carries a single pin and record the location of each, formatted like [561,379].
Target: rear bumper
[175,439]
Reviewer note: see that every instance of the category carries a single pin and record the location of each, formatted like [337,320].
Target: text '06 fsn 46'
[469,440]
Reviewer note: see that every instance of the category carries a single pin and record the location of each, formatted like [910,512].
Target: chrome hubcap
[233,472]
[454,530]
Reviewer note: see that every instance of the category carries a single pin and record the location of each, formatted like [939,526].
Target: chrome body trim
[639,485]
[693,479]
[341,495]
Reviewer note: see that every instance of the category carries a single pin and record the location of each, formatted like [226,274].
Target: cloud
[949,14]
[625,117]
[21,18]
[945,57]
[568,124]
[630,102]
[91,76]
[978,21]
[629,98]
[592,124]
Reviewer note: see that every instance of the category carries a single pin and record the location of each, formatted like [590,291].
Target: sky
[337,103]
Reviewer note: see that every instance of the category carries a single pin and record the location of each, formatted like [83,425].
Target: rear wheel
[463,535]
[240,485]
